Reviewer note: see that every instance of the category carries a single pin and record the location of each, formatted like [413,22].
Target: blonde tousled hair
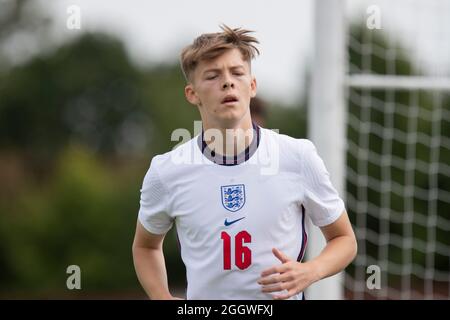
[211,45]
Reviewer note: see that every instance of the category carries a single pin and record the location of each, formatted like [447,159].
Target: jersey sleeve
[153,212]
[321,200]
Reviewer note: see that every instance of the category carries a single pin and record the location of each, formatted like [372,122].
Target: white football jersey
[230,213]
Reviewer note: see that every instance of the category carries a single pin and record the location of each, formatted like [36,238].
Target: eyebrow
[219,70]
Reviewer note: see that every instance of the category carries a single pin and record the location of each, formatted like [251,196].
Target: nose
[228,83]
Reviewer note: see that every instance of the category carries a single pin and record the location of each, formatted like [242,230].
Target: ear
[190,94]
[253,86]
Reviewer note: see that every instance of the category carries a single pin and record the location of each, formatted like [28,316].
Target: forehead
[232,57]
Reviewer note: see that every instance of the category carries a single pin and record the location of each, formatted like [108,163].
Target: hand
[291,275]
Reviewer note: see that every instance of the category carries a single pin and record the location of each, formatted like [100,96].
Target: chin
[229,116]
[230,119]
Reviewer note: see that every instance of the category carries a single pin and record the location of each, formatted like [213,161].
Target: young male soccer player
[239,207]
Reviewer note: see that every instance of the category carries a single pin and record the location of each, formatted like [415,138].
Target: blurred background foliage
[424,103]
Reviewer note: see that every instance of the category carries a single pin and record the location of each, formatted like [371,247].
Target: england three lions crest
[233,197]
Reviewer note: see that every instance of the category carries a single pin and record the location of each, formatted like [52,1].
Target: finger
[285,296]
[280,255]
[276,269]
[280,286]
[274,279]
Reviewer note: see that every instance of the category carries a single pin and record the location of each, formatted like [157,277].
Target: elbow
[133,245]
[354,246]
[135,249]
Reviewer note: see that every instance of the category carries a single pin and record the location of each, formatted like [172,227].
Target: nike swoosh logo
[229,223]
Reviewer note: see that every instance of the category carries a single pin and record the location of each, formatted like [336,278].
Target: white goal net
[398,148]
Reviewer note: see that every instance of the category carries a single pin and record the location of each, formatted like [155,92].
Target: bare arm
[296,276]
[149,263]
[340,249]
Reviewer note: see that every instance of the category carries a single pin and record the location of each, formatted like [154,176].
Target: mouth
[229,99]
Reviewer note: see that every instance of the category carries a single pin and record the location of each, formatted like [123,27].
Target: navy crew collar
[231,160]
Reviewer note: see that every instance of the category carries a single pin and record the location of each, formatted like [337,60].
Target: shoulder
[170,161]
[289,146]
[287,141]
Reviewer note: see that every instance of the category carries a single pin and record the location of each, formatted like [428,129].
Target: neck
[229,139]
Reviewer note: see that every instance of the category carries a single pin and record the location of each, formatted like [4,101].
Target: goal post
[326,119]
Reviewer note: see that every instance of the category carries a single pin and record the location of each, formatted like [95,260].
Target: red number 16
[242,254]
